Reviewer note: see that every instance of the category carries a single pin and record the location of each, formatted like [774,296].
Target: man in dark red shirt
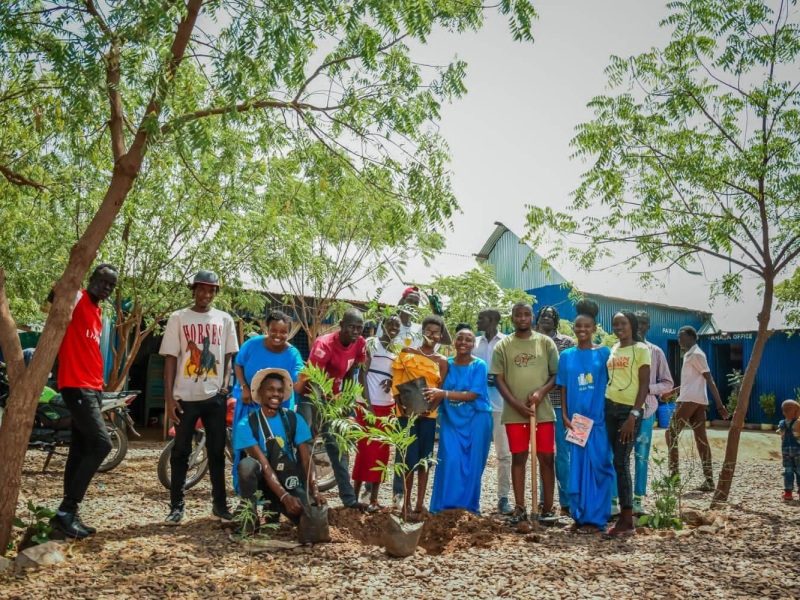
[80,381]
[340,354]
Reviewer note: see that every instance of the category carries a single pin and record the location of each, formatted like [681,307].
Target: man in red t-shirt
[80,381]
[339,354]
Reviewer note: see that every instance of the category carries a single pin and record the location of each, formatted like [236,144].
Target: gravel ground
[462,556]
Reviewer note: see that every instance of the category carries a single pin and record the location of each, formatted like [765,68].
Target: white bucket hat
[288,386]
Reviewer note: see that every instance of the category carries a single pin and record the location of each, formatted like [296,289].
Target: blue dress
[252,357]
[591,475]
[464,438]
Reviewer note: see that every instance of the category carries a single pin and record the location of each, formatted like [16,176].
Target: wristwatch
[636,413]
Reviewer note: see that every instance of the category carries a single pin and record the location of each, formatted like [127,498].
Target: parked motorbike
[198,459]
[52,425]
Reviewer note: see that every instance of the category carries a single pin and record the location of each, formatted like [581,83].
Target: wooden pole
[534,475]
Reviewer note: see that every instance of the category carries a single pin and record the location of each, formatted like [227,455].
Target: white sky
[509,136]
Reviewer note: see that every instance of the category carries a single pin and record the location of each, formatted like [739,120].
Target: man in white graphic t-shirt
[198,344]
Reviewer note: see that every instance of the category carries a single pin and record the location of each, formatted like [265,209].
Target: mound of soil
[443,533]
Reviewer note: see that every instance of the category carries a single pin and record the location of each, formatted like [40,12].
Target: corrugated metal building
[517,266]
[665,320]
[777,374]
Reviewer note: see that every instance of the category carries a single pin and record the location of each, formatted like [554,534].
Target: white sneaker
[397,501]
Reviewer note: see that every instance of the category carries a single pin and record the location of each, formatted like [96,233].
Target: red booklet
[581,428]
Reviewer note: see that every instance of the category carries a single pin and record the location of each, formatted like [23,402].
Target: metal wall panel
[777,374]
[508,258]
[664,321]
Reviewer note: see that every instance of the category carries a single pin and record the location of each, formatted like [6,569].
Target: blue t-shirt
[254,356]
[585,375]
[243,434]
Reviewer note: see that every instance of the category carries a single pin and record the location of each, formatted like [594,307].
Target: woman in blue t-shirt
[583,376]
[270,351]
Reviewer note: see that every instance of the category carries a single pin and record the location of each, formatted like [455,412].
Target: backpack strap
[253,420]
[289,420]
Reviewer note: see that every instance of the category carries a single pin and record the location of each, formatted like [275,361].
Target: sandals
[518,515]
[373,508]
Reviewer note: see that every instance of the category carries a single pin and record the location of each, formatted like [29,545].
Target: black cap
[205,277]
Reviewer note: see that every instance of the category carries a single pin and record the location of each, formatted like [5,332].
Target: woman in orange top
[412,364]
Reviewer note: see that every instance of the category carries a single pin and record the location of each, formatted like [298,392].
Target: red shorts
[519,437]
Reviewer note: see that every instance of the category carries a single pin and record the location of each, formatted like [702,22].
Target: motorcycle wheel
[198,462]
[119,447]
[322,465]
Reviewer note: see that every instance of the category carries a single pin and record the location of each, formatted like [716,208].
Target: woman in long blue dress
[269,351]
[465,431]
[583,376]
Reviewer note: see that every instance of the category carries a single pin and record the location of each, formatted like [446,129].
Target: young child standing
[789,430]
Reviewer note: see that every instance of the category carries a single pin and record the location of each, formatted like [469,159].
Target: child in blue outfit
[789,429]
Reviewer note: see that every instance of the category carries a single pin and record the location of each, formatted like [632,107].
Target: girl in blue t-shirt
[583,376]
[270,351]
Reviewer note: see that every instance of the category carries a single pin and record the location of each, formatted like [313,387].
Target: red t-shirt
[336,360]
[79,362]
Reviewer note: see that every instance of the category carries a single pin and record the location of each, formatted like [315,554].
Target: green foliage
[768,405]
[788,294]
[665,489]
[390,431]
[38,523]
[266,98]
[734,378]
[693,154]
[467,294]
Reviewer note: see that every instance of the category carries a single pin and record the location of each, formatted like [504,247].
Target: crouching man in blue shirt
[278,456]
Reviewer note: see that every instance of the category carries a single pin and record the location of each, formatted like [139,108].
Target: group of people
[487,391]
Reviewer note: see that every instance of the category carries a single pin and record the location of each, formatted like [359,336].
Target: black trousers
[251,481]
[211,413]
[616,415]
[88,447]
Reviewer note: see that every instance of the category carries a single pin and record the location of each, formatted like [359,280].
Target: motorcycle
[198,459]
[52,427]
[50,435]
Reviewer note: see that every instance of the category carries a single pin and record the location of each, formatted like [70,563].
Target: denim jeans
[791,467]
[89,444]
[562,461]
[211,413]
[616,415]
[340,463]
[641,452]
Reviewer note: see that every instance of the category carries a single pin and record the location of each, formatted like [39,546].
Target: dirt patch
[443,533]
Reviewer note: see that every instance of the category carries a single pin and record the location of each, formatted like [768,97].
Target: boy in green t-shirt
[526,364]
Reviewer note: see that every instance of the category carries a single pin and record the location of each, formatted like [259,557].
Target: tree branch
[20,180]
[334,61]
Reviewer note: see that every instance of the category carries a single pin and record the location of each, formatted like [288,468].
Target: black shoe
[518,515]
[222,513]
[78,520]
[68,524]
[175,516]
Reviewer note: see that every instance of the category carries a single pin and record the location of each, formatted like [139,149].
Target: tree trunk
[737,423]
[21,405]
[17,423]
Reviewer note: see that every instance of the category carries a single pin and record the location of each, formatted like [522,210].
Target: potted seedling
[332,412]
[401,538]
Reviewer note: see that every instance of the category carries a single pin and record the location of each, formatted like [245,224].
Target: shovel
[534,518]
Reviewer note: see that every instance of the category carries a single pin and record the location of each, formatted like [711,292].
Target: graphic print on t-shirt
[523,358]
[585,382]
[200,361]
